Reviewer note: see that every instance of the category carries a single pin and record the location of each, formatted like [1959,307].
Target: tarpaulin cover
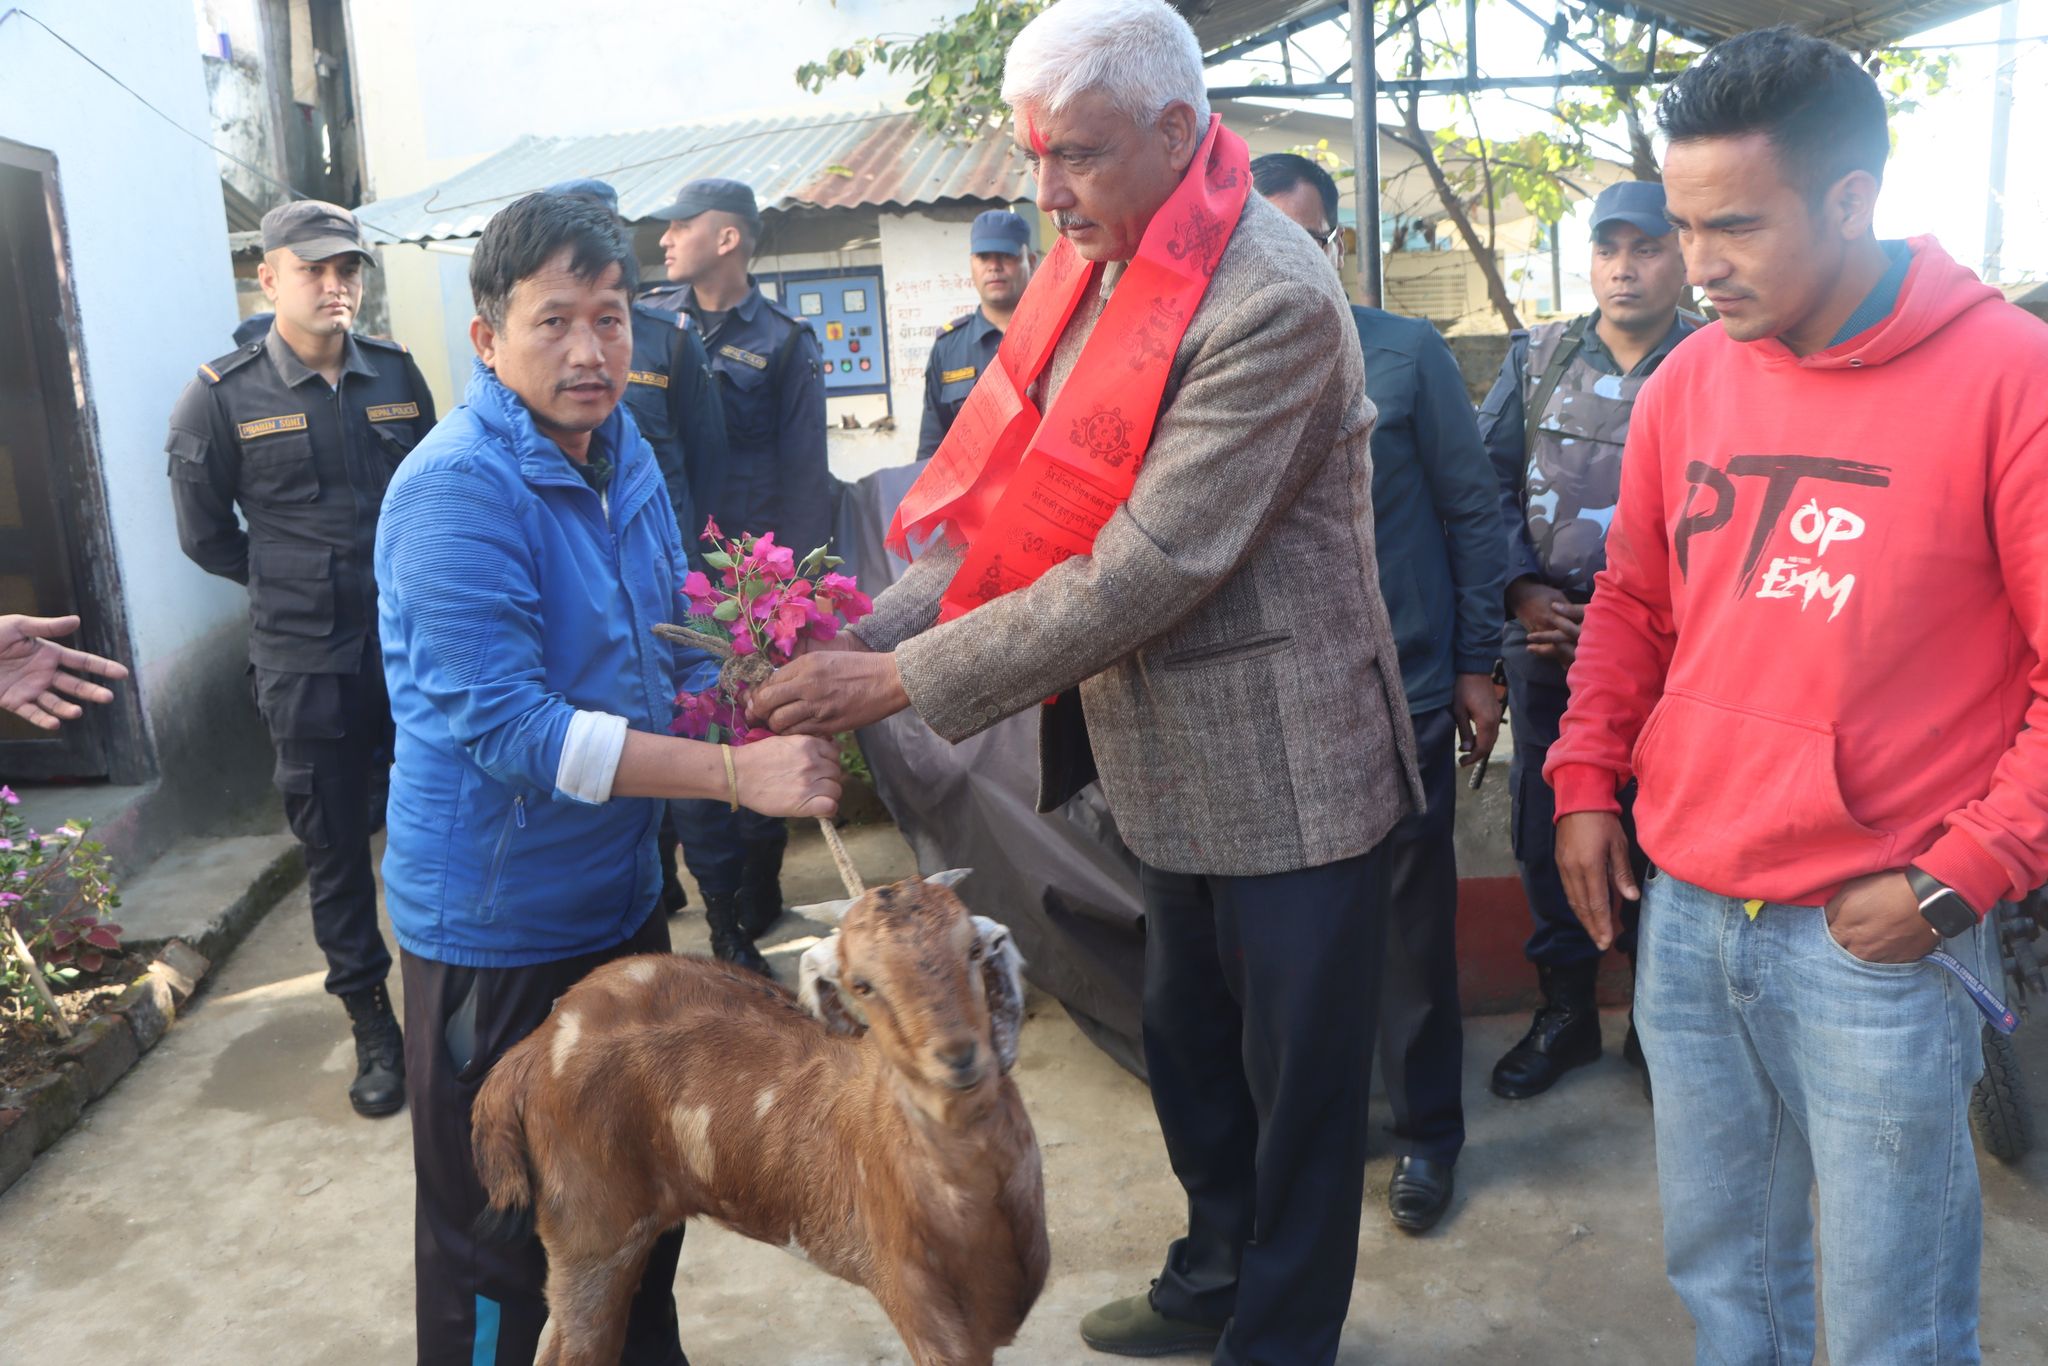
[1064,883]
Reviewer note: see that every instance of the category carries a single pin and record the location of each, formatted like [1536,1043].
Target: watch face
[1950,915]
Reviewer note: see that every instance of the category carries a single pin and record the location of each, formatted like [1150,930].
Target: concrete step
[208,892]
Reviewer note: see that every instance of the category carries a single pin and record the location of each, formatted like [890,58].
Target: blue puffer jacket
[511,597]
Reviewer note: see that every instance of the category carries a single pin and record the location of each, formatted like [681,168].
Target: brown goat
[878,1136]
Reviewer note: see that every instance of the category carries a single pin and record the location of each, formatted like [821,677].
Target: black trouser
[1536,703]
[1259,1001]
[716,840]
[333,733]
[1422,1040]
[481,1304]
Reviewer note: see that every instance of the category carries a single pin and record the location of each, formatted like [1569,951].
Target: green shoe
[1133,1328]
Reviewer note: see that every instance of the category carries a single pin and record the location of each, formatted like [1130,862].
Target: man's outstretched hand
[1592,858]
[829,691]
[39,676]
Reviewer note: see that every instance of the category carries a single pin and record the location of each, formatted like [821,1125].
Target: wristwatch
[1942,906]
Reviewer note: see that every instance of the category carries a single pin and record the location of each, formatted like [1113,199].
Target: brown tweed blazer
[1235,665]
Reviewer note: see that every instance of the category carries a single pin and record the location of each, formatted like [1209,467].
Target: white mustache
[1067,222]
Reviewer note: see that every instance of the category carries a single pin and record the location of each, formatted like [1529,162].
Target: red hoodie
[1818,641]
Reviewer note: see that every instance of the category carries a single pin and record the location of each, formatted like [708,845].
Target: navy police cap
[999,230]
[1636,202]
[596,190]
[728,196]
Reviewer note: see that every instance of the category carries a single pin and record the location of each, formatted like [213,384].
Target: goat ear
[1002,980]
[952,877]
[817,989]
[831,912]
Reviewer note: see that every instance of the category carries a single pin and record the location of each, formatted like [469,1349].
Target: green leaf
[729,610]
[718,559]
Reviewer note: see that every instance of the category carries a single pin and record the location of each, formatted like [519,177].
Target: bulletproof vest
[1577,424]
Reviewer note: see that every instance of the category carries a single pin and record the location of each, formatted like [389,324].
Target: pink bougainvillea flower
[697,589]
[838,592]
[695,714]
[765,557]
[7,796]
[711,531]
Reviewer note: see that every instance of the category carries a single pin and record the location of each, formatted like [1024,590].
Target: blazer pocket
[1229,651]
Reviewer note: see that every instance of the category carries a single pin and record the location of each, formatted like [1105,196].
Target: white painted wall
[150,308]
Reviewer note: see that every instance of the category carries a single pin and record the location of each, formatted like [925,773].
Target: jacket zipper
[517,818]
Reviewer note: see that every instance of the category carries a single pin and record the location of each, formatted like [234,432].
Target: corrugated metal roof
[841,162]
[1853,23]
[1861,24]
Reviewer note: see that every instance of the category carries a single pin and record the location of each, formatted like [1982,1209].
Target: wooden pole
[35,977]
[1365,139]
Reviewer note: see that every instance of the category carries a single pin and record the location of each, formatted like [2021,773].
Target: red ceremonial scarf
[1024,492]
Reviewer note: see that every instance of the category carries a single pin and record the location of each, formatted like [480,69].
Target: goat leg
[588,1301]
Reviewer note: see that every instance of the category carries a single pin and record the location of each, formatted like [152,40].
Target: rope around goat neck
[751,670]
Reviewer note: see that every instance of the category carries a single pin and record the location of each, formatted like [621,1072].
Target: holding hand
[1592,859]
[789,776]
[1475,706]
[828,691]
[1877,918]
[34,671]
[1551,619]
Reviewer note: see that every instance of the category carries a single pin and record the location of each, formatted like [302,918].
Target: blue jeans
[1783,1064]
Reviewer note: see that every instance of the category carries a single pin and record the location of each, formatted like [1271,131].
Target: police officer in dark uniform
[1001,243]
[766,362]
[302,430]
[672,397]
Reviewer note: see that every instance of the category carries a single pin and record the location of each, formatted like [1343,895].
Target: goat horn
[831,912]
[952,877]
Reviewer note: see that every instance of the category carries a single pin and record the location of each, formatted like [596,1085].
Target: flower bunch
[765,603]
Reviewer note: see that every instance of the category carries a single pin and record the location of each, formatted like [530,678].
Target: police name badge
[392,412]
[653,377]
[743,357]
[271,426]
[955,376]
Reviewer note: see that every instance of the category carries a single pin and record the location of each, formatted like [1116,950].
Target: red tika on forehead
[1036,138]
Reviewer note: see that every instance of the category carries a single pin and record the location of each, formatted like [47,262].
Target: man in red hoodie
[1817,647]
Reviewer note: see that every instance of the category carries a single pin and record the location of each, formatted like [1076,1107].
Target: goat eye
[862,988]
[975,952]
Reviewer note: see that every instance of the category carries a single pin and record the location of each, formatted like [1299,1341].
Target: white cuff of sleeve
[590,757]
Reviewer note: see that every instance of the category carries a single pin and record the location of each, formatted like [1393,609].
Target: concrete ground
[223,1205]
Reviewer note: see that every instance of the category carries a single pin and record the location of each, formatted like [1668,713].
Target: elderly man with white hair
[1157,513]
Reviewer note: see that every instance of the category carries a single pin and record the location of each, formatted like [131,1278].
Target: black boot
[379,1087]
[726,940]
[760,894]
[1565,1034]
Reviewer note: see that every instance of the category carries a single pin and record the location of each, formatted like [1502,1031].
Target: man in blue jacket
[525,554]
[1442,562]
[675,404]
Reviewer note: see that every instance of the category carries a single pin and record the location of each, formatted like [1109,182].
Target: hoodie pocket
[1748,797]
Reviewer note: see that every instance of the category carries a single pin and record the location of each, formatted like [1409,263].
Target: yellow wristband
[732,776]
